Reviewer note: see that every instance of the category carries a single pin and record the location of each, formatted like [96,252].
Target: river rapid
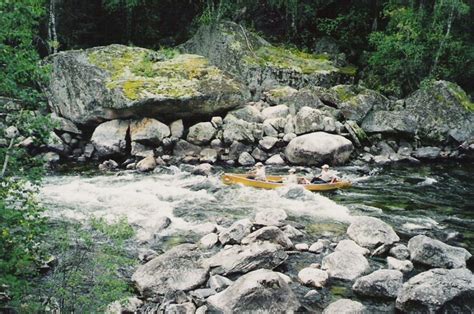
[434,199]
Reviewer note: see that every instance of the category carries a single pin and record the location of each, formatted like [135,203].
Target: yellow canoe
[274,182]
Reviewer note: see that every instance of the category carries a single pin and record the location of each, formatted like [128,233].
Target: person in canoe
[291,178]
[326,176]
[258,173]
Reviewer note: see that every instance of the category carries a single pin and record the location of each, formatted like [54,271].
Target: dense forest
[396,45]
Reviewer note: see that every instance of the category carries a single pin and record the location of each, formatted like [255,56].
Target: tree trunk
[443,41]
[52,33]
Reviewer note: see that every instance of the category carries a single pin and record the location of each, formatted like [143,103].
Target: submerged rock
[319,147]
[345,265]
[262,291]
[435,253]
[345,306]
[443,290]
[116,81]
[242,259]
[271,217]
[371,232]
[382,283]
[180,268]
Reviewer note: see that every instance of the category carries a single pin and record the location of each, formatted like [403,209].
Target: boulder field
[228,96]
[248,266]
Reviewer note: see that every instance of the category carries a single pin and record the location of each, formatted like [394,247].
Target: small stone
[268,142]
[217,122]
[405,266]
[345,306]
[351,246]
[146,164]
[313,277]
[183,308]
[208,155]
[219,283]
[400,251]
[108,165]
[318,246]
[245,159]
[275,160]
[11,132]
[301,246]
[208,241]
[147,255]
[177,128]
[382,283]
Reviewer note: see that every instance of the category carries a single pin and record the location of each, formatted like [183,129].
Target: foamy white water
[191,202]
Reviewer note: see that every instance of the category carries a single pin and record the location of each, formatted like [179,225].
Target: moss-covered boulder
[103,83]
[241,52]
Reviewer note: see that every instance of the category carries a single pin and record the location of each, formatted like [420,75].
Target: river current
[433,199]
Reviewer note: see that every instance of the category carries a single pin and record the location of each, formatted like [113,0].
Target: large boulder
[371,232]
[103,83]
[438,290]
[243,53]
[435,253]
[109,138]
[201,133]
[382,283]
[260,291]
[148,131]
[179,269]
[242,259]
[239,130]
[389,123]
[317,148]
[357,107]
[345,265]
[308,120]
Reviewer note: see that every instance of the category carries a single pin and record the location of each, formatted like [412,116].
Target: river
[433,199]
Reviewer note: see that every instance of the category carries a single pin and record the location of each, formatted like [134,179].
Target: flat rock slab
[262,291]
[435,253]
[180,268]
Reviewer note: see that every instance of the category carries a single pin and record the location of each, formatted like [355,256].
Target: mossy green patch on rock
[283,58]
[142,73]
[461,96]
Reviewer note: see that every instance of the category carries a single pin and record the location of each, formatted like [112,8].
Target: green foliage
[92,266]
[420,43]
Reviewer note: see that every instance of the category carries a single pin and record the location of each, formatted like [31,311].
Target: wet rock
[382,283]
[262,291]
[219,283]
[208,155]
[183,149]
[180,268]
[148,131]
[435,253]
[275,160]
[279,111]
[87,86]
[405,266]
[146,164]
[345,265]
[273,217]
[242,259]
[319,246]
[183,308]
[400,251]
[371,232]
[177,128]
[319,147]
[202,169]
[302,246]
[245,159]
[208,241]
[450,291]
[236,232]
[351,246]
[345,306]
[108,165]
[201,133]
[109,138]
[271,234]
[313,277]
[291,232]
[268,142]
[427,152]
[308,120]
[128,305]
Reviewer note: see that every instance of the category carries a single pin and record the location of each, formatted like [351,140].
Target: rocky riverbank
[241,101]
[245,267]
